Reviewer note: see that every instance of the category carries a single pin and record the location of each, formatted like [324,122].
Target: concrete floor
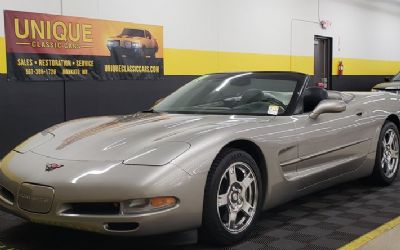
[326,220]
[390,240]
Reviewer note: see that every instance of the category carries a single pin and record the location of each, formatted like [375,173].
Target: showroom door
[323,61]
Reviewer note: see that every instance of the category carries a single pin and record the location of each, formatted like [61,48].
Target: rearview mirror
[388,79]
[328,106]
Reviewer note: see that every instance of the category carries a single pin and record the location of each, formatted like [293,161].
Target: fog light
[155,204]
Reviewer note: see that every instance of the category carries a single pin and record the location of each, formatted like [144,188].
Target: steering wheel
[276,101]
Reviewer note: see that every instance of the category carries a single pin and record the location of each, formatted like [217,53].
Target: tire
[387,156]
[118,54]
[142,52]
[217,212]
[153,53]
[115,54]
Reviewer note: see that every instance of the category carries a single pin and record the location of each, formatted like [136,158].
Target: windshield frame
[396,76]
[300,79]
[129,30]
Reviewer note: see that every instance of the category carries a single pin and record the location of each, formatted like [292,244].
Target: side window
[312,96]
[147,34]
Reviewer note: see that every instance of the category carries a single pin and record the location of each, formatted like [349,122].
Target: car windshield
[396,78]
[133,33]
[239,93]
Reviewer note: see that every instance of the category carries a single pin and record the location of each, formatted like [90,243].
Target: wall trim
[199,62]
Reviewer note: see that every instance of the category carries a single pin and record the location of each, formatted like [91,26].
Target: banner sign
[53,47]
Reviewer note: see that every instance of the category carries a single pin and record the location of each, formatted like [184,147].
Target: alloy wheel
[237,197]
[390,153]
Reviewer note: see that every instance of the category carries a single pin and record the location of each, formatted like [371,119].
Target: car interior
[312,96]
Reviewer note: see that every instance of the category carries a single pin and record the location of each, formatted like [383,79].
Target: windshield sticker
[273,110]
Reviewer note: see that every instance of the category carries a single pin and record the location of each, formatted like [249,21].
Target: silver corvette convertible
[211,156]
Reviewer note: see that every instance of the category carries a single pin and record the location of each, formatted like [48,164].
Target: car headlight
[136,45]
[158,155]
[138,206]
[112,43]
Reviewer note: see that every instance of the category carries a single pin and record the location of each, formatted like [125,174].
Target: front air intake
[6,195]
[121,226]
[92,208]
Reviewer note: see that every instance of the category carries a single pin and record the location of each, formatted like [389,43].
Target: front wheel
[387,155]
[153,53]
[233,197]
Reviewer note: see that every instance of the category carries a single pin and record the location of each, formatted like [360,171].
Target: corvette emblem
[52,166]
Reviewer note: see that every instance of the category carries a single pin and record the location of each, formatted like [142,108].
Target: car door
[331,145]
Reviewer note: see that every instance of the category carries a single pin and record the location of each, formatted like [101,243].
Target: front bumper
[103,182]
[125,50]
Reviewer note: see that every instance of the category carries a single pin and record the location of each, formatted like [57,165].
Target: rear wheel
[233,197]
[387,155]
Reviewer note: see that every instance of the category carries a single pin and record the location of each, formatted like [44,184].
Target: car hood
[124,138]
[388,85]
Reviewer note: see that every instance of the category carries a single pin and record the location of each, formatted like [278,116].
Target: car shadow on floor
[324,220]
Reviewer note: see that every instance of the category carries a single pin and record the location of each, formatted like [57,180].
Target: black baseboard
[29,107]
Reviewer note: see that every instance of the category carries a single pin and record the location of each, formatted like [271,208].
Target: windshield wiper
[149,111]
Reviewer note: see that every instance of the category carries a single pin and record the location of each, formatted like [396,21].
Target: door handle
[359,114]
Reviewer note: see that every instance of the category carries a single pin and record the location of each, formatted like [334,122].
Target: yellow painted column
[3,60]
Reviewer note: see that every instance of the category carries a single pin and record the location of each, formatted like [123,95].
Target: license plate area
[35,198]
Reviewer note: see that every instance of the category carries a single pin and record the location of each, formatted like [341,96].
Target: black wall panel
[355,83]
[90,98]
[27,108]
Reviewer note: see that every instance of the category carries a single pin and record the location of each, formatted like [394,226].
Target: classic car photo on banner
[53,47]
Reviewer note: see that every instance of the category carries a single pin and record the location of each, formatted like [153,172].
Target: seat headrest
[312,97]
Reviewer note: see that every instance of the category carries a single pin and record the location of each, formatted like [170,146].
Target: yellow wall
[354,66]
[197,62]
[3,62]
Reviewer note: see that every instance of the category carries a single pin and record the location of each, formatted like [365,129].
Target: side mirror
[388,79]
[328,106]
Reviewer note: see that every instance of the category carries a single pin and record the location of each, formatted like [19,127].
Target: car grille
[6,195]
[35,198]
